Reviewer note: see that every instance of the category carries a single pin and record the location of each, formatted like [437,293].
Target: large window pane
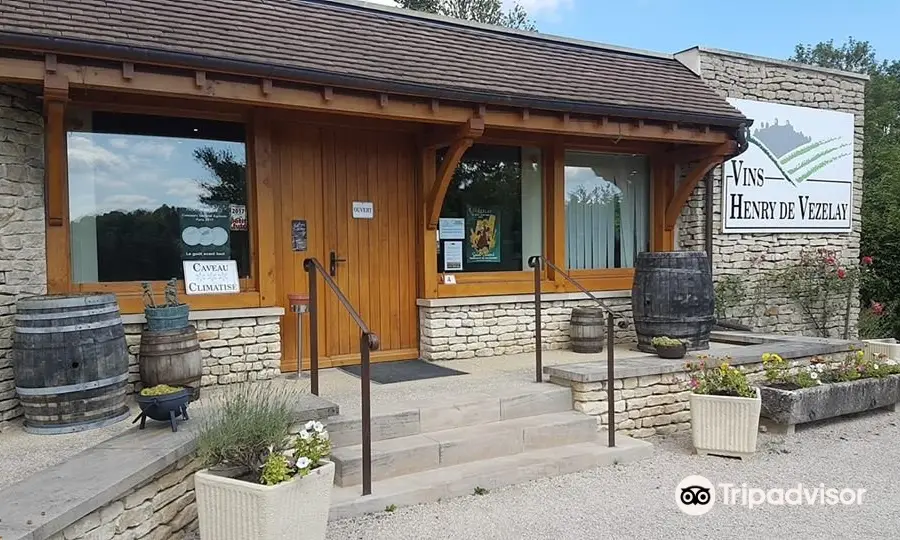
[491,220]
[146,192]
[607,210]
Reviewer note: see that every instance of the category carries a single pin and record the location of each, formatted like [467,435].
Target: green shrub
[160,390]
[666,341]
[721,380]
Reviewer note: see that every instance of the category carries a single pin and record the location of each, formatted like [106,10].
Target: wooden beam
[127,71]
[56,93]
[687,154]
[428,277]
[470,131]
[200,79]
[383,100]
[435,106]
[263,203]
[663,178]
[440,137]
[555,208]
[328,94]
[673,210]
[50,63]
[265,86]
[247,92]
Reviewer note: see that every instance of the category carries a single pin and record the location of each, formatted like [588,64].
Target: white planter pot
[232,509]
[887,347]
[725,426]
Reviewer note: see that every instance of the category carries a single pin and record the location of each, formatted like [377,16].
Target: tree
[230,184]
[484,11]
[881,156]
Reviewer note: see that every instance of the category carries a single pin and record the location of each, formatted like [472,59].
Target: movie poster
[483,228]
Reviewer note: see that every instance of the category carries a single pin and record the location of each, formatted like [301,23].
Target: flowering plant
[778,372]
[302,454]
[720,380]
[853,367]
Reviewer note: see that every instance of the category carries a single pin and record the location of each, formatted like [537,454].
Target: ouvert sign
[796,174]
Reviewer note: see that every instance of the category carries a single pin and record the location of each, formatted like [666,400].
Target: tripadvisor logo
[696,495]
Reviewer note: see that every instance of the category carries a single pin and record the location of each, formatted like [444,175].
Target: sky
[762,27]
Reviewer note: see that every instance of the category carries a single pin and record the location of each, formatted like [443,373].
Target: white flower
[303,462]
[814,376]
[305,435]
[309,425]
[318,427]
[874,366]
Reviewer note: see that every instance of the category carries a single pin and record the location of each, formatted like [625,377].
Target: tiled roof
[375,48]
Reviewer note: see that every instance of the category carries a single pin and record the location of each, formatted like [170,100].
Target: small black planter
[165,408]
[674,352]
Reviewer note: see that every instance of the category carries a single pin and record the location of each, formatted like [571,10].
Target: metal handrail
[368,341]
[536,262]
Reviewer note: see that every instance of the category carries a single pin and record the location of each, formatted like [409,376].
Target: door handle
[332,263]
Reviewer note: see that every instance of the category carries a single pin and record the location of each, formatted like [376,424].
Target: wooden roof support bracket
[56,94]
[673,209]
[466,135]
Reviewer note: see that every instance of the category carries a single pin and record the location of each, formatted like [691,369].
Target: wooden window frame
[254,291]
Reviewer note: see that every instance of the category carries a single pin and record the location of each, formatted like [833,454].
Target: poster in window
[205,232]
[453,256]
[483,227]
[298,235]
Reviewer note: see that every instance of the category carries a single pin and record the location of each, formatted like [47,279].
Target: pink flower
[841,273]
[830,260]
[877,308]
[867,260]
[694,384]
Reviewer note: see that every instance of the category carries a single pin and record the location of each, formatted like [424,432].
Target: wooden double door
[322,173]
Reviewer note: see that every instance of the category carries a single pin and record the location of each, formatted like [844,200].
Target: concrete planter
[232,509]
[724,425]
[787,408]
[888,347]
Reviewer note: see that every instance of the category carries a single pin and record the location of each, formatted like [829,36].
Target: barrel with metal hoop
[171,357]
[70,362]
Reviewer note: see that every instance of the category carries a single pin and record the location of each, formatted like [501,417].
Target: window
[491,220]
[607,210]
[147,192]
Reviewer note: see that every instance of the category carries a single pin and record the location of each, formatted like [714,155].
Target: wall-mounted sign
[238,217]
[453,256]
[298,235]
[205,232]
[796,175]
[211,277]
[483,226]
[452,228]
[363,210]
[449,279]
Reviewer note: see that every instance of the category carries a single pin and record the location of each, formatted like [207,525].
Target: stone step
[404,420]
[424,451]
[462,479]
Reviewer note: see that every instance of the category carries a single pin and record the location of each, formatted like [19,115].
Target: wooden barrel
[171,357]
[70,362]
[673,296]
[587,330]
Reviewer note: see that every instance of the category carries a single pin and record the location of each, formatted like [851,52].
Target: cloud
[184,188]
[129,202]
[119,143]
[86,156]
[153,149]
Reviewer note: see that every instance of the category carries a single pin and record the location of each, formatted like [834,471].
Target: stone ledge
[778,62]
[52,499]
[516,298]
[789,347]
[239,313]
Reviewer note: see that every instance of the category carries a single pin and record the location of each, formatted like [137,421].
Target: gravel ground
[638,500]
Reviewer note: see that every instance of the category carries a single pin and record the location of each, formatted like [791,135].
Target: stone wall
[233,350]
[23,266]
[504,327]
[753,257]
[164,508]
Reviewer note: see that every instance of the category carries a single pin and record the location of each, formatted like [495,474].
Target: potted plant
[724,410]
[171,315]
[164,403]
[667,347]
[275,484]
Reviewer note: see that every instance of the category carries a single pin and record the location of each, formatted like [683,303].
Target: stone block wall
[23,264]
[497,328]
[164,508]
[233,350]
[754,257]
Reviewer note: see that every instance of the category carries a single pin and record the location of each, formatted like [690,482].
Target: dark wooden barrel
[673,296]
[171,357]
[70,362]
[587,330]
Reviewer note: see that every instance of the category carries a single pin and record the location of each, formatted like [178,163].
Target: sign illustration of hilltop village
[796,174]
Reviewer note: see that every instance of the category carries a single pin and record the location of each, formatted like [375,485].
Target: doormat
[406,370]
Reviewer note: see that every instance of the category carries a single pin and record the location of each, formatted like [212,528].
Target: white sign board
[452,228]
[211,277]
[363,210]
[453,256]
[796,175]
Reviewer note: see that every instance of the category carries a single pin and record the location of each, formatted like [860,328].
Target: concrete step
[459,480]
[424,451]
[413,418]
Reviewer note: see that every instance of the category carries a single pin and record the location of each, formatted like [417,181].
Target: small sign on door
[363,210]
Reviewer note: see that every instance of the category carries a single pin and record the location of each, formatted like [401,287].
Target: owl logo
[695,495]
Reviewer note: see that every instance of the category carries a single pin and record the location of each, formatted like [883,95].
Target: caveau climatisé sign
[796,174]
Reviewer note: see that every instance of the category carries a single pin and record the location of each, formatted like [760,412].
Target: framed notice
[205,232]
[363,210]
[298,235]
[453,256]
[796,174]
[452,228]
[211,277]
